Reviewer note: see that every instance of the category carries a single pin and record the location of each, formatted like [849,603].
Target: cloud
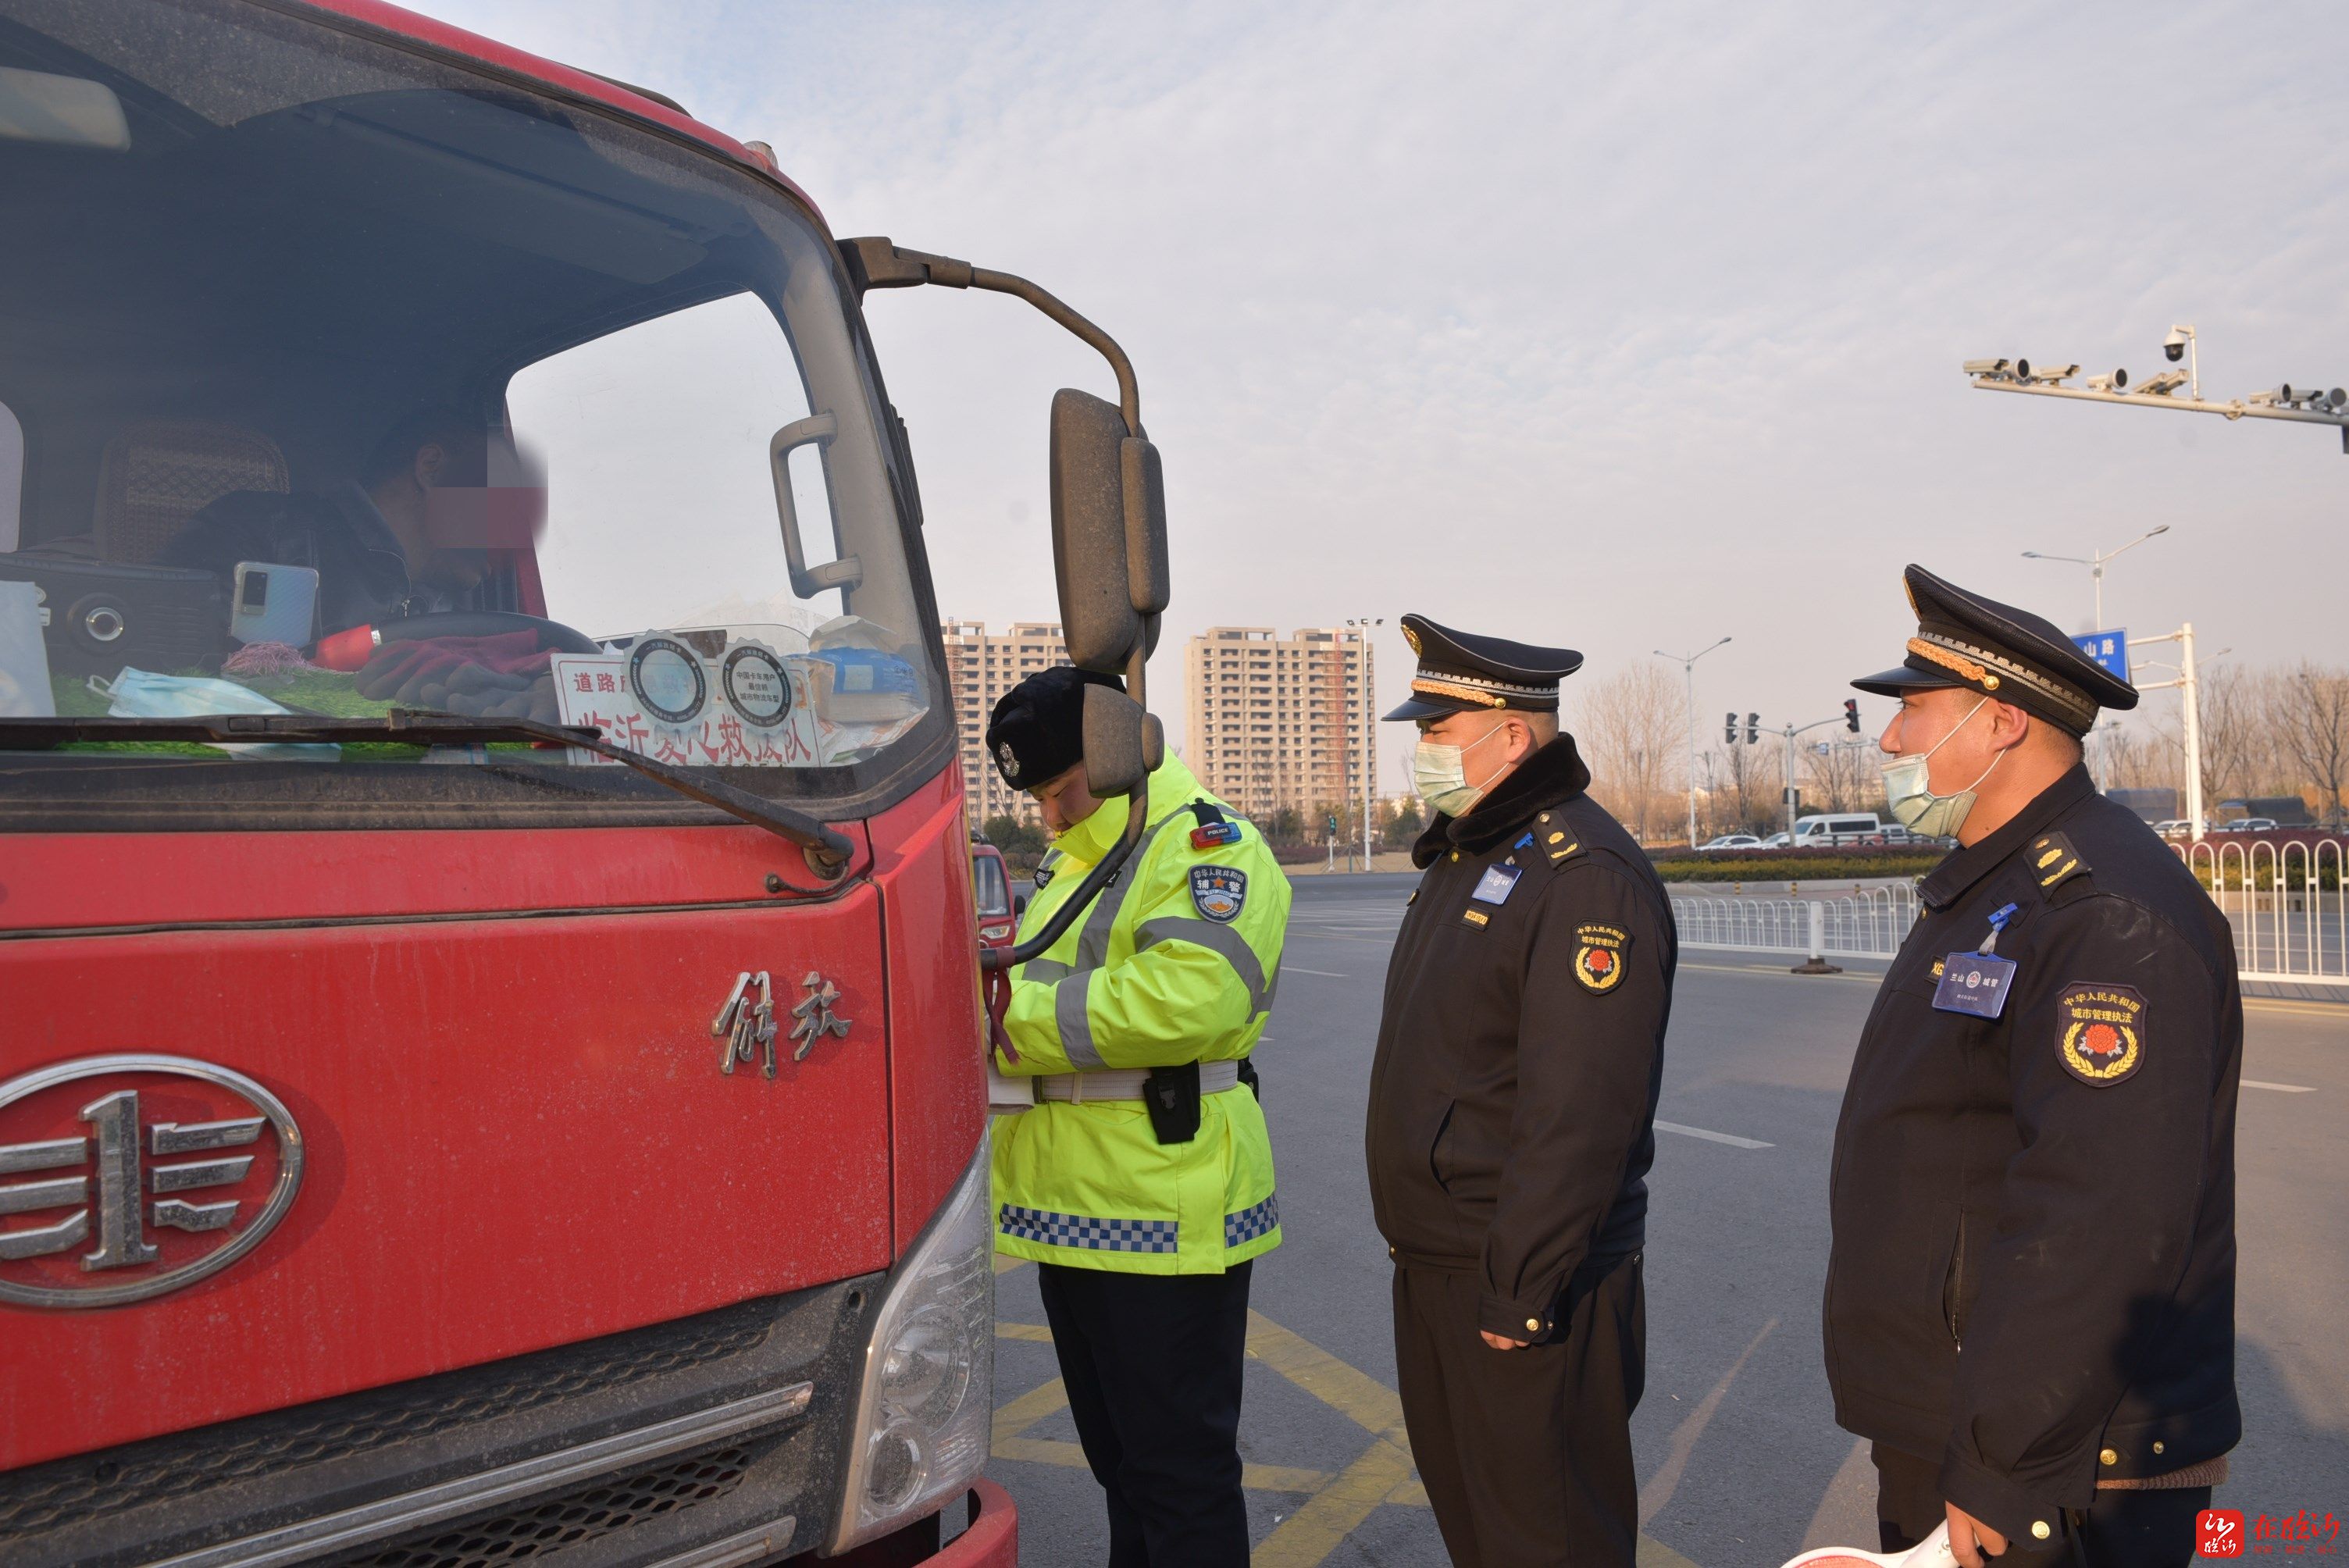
[1621,327]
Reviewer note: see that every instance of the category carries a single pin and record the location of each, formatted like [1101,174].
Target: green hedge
[1802,866]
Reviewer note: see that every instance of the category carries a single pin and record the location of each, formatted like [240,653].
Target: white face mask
[1908,791]
[1440,772]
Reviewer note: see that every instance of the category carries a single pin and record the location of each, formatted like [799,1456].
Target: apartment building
[1277,722]
[980,667]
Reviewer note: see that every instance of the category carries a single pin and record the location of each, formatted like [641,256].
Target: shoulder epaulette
[2054,862]
[1555,837]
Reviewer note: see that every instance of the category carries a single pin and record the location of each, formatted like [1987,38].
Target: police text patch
[1218,891]
[2101,1034]
[1598,956]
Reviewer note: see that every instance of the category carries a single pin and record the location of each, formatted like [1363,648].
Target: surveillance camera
[2044,375]
[2161,384]
[2173,348]
[2270,397]
[1995,368]
[2117,382]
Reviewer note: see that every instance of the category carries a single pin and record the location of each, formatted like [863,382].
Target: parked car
[2246,825]
[1775,842]
[1730,841]
[2174,827]
[990,882]
[1838,828]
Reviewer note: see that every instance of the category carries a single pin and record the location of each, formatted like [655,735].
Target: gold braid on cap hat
[1432,687]
[1942,657]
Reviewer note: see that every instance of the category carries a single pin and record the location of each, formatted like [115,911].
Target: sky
[1621,327]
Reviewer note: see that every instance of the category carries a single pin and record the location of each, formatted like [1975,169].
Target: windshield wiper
[828,852]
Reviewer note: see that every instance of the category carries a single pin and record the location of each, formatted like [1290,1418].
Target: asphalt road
[1740,1460]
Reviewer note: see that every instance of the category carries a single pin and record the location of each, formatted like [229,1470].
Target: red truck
[490,1010]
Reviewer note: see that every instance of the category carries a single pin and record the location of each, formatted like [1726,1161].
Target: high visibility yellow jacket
[1174,963]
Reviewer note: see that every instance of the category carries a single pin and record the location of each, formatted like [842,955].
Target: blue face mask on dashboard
[143,694]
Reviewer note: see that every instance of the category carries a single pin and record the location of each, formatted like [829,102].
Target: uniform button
[1533,1325]
[2039,1530]
[2157,1448]
[1545,816]
[2109,1457]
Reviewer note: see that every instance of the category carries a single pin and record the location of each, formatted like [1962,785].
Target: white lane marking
[1730,1139]
[1300,969]
[2280,1087]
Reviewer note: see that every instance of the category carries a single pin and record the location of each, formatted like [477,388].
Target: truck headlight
[924,1403]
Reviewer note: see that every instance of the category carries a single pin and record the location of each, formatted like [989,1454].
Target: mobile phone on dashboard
[272,603]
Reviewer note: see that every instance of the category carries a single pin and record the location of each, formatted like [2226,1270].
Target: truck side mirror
[1109,534]
[1124,745]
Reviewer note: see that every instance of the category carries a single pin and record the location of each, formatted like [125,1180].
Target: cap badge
[1010,761]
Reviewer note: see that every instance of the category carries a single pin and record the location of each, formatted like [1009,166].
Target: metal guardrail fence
[2287,902]
[1869,924]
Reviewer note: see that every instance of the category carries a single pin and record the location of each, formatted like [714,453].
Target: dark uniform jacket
[2033,1272]
[1514,1090]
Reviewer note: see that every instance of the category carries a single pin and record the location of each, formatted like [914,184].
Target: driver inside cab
[388,545]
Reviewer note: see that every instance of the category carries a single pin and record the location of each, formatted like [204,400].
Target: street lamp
[1370,732]
[1688,665]
[2096,565]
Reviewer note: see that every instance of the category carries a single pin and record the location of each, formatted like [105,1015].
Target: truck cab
[442,1144]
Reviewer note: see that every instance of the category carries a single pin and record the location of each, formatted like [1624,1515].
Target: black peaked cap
[1965,640]
[1037,732]
[1460,672]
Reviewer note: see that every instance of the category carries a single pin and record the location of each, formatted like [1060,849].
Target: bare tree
[2308,713]
[1633,727]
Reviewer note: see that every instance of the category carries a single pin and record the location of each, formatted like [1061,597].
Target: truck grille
[581,1515]
[44,1497]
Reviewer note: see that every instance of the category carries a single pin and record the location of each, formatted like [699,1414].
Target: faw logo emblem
[123,1177]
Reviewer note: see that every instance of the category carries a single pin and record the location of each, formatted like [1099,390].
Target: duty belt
[1127,1083]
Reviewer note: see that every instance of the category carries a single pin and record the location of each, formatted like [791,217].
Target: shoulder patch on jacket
[2054,862]
[2102,1036]
[1559,843]
[1598,956]
[1218,893]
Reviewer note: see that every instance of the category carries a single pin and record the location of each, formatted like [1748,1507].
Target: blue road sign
[2109,649]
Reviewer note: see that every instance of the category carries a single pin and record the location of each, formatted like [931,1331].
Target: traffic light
[1729,730]
[1851,714]
[1752,728]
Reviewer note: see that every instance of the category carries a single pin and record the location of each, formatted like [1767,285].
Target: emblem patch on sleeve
[1598,956]
[2103,1032]
[1218,891]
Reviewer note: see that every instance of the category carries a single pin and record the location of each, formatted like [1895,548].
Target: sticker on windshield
[667,679]
[755,685]
[740,723]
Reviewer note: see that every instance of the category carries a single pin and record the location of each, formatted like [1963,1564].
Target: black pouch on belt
[1172,1097]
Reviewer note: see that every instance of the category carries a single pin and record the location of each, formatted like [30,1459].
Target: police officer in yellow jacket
[1141,1180]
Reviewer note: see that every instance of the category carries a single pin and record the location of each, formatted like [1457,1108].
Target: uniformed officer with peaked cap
[1510,1128]
[2030,1306]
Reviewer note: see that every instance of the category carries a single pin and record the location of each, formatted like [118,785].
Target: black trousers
[1527,1454]
[2122,1529]
[1153,1365]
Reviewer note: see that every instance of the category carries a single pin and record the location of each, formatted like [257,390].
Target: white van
[1841,828]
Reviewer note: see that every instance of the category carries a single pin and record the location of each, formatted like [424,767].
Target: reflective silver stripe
[1044,971]
[1221,940]
[1092,943]
[1068,998]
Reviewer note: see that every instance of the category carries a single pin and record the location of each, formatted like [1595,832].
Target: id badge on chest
[1974,984]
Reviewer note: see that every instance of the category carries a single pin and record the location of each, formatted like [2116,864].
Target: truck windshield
[333,380]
